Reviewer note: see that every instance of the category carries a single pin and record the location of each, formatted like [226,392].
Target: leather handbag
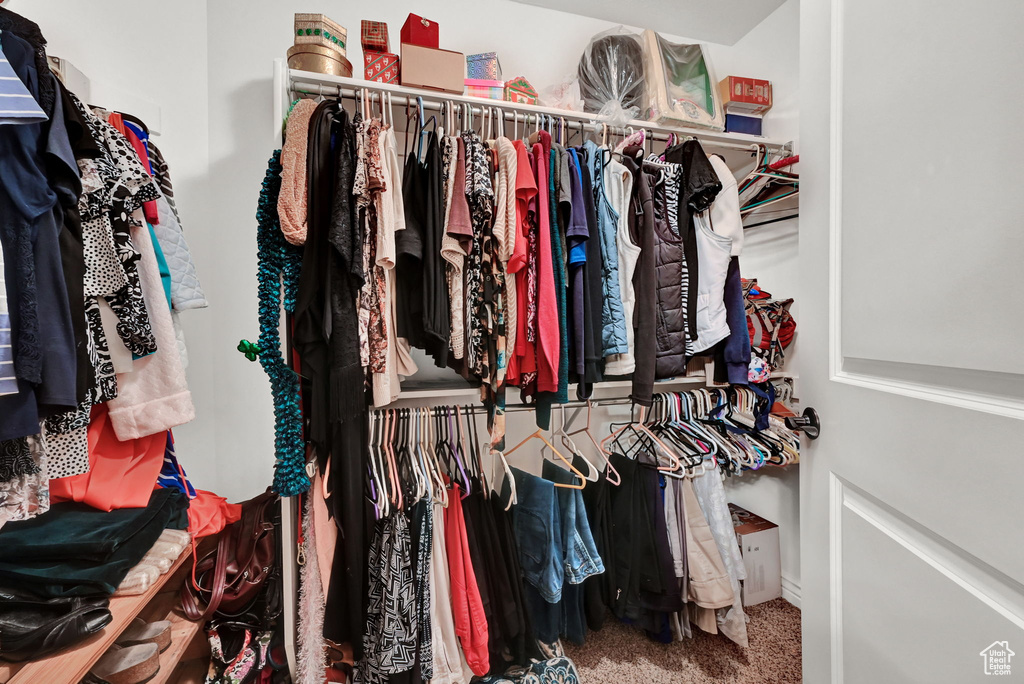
[228,579]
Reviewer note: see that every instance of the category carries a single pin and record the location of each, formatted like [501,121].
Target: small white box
[759,542]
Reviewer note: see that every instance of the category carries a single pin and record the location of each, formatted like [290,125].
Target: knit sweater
[505,230]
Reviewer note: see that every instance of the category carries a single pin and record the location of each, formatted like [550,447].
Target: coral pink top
[467,604]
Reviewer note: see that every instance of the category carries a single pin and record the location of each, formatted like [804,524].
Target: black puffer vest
[671,318]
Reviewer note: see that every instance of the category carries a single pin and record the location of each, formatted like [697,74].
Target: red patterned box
[374,35]
[380,66]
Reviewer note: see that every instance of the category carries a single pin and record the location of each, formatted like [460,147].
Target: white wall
[148,60]
[208,67]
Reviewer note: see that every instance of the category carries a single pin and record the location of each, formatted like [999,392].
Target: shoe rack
[184,662]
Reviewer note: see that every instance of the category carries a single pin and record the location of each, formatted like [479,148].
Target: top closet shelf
[314,83]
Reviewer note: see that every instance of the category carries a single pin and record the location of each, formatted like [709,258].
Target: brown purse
[228,578]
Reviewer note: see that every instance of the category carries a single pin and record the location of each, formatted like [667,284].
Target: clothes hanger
[611,474]
[474,448]
[420,470]
[441,492]
[593,471]
[639,426]
[374,494]
[539,434]
[398,496]
[460,452]
[447,447]
[383,486]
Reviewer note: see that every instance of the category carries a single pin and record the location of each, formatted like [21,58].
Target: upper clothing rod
[511,111]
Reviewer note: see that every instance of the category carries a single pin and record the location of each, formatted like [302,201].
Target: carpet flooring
[623,654]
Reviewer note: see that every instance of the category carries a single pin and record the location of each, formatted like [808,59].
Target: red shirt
[467,605]
[526,189]
[548,340]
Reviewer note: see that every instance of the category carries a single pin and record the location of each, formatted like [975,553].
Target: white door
[912,340]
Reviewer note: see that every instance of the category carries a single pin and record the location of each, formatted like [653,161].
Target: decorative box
[318,29]
[419,31]
[483,66]
[319,59]
[380,66]
[373,35]
[484,87]
[424,67]
[519,90]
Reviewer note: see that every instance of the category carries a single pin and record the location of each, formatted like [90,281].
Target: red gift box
[380,66]
[419,31]
[374,35]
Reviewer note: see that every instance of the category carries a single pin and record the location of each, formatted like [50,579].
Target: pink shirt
[467,604]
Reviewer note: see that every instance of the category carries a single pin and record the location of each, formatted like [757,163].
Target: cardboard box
[745,96]
[433,69]
[419,31]
[742,123]
[759,543]
[373,35]
[380,66]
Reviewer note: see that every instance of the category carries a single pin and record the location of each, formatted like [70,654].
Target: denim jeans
[580,559]
[557,552]
[537,525]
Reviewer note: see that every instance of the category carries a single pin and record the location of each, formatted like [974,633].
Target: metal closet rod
[654,131]
[515,408]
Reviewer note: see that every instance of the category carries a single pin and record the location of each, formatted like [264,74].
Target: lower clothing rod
[512,113]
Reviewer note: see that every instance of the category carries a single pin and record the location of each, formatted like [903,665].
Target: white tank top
[714,250]
[725,212]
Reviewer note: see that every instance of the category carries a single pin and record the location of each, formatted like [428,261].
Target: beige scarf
[291,203]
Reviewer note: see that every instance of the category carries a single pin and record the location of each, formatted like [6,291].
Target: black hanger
[135,120]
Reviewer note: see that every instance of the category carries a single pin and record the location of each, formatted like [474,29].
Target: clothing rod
[510,113]
[574,404]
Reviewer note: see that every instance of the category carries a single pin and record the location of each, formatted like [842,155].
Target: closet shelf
[313,83]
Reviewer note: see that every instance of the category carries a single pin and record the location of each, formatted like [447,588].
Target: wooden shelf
[69,666]
[190,672]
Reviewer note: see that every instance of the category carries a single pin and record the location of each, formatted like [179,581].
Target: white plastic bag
[563,95]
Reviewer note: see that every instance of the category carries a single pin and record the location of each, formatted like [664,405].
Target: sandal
[142,632]
[126,665]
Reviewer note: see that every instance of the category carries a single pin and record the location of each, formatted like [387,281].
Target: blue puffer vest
[613,318]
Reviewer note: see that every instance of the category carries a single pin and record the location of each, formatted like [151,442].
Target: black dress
[423,312]
[327,340]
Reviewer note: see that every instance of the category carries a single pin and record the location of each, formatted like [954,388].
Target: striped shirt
[8,382]
[17,106]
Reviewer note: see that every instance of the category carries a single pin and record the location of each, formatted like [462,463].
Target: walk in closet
[431,428]
[537,342]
